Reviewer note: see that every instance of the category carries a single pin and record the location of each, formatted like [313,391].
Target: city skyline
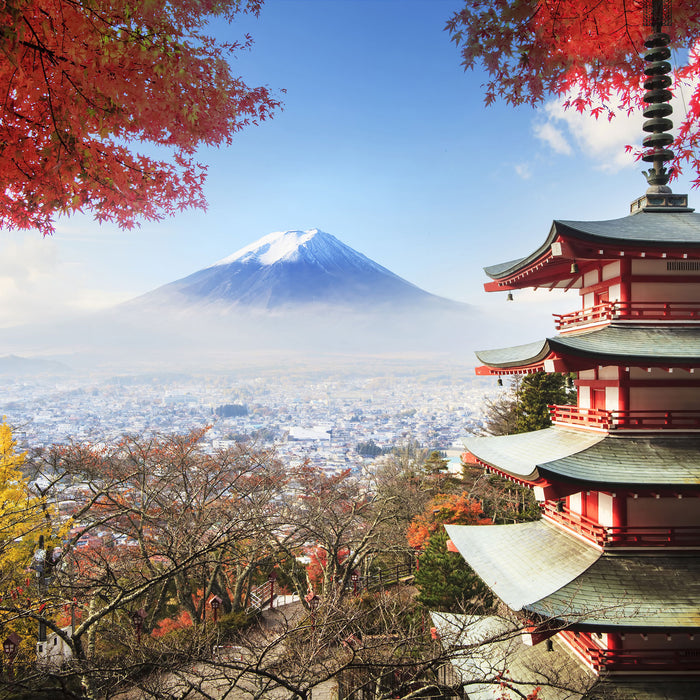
[384,142]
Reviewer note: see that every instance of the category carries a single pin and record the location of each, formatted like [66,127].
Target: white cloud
[602,139]
[38,285]
[523,170]
[551,134]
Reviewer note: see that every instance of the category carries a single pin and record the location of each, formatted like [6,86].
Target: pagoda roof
[522,563]
[592,458]
[542,569]
[631,591]
[614,344]
[664,232]
[487,649]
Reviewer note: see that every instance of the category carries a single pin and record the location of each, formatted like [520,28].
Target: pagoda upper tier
[586,460]
[574,247]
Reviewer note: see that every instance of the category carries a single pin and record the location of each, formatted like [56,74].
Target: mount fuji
[292,295]
[291,270]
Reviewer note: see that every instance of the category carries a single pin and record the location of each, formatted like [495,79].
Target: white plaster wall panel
[605,509]
[610,271]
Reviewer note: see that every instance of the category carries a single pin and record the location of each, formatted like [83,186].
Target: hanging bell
[510,296]
[574,268]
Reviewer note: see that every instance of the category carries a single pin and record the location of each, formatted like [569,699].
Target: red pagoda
[610,575]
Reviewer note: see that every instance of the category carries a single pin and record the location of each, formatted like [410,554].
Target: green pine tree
[536,392]
[524,406]
[444,580]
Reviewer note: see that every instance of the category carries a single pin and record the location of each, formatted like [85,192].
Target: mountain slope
[293,269]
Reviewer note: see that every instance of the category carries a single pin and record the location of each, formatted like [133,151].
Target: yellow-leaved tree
[24,518]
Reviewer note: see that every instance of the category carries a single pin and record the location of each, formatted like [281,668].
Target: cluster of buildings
[306,415]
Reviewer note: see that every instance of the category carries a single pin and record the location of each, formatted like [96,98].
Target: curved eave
[522,563]
[542,569]
[662,234]
[522,455]
[630,592]
[591,459]
[645,346]
[518,356]
[633,345]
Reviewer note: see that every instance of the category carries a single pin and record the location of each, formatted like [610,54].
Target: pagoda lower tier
[491,654]
[618,614]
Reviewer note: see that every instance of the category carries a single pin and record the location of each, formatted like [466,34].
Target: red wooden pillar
[625,282]
[623,401]
[619,509]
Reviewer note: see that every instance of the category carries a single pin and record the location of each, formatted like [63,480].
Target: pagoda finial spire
[658,197]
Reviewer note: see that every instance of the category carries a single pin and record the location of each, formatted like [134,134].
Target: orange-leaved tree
[454,509]
[82,82]
[587,53]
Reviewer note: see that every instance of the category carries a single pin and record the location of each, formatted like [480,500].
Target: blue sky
[384,142]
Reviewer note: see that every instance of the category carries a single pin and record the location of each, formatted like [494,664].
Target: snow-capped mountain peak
[289,269]
[272,248]
[311,246]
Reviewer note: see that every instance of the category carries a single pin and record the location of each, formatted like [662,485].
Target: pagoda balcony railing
[629,311]
[644,419]
[579,524]
[646,659]
[625,535]
[640,660]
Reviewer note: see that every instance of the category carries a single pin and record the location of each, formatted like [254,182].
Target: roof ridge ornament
[658,196]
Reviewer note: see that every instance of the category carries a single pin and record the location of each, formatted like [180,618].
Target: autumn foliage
[82,82]
[444,509]
[590,55]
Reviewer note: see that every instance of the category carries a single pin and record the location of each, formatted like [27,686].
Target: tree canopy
[587,54]
[83,82]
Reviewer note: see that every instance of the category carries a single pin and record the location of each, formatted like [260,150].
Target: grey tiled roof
[648,229]
[540,568]
[624,344]
[522,563]
[593,457]
[522,454]
[658,229]
[516,355]
[630,591]
[652,461]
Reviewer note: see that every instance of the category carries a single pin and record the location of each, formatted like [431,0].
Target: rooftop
[592,458]
[542,569]
[614,344]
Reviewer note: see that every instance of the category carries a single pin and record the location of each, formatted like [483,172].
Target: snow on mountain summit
[311,246]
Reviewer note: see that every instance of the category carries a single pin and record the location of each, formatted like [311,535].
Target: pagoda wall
[594,505]
[593,284]
[670,512]
[664,398]
[622,510]
[658,641]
